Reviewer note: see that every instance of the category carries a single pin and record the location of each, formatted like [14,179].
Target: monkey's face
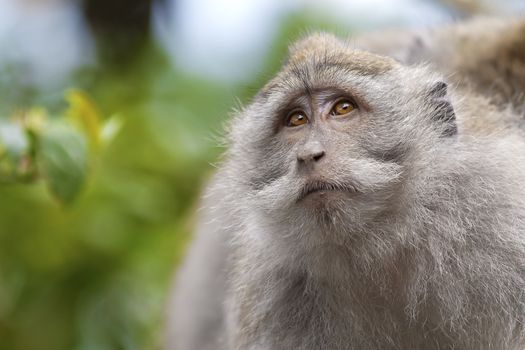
[331,136]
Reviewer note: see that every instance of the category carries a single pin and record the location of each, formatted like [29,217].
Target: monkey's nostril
[318,156]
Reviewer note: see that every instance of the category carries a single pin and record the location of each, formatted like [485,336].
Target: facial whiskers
[320,186]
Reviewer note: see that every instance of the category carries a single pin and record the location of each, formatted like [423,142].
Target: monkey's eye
[296,119]
[342,107]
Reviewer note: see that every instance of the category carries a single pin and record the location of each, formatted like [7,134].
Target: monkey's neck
[319,292]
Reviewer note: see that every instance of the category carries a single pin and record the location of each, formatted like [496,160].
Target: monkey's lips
[324,187]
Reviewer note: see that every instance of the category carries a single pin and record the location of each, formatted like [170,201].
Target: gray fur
[425,248]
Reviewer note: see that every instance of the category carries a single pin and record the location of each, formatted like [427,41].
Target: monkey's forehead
[323,55]
[361,62]
[326,47]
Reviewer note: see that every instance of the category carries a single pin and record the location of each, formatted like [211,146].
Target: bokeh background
[110,114]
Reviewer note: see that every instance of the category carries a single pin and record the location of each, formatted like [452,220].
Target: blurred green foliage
[91,231]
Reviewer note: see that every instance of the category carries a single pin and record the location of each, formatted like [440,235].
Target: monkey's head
[337,134]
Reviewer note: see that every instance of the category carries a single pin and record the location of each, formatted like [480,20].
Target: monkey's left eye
[342,107]
[296,119]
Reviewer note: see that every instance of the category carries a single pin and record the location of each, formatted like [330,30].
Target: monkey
[483,54]
[363,202]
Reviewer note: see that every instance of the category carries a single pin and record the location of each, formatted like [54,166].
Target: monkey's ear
[443,110]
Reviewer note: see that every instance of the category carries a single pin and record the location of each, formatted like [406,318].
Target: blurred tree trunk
[122,28]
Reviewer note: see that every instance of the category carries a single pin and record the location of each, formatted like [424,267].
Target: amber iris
[297,119]
[342,107]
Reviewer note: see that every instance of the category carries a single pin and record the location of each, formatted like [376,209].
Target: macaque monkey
[366,202]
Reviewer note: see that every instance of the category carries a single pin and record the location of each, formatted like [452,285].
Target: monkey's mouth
[323,187]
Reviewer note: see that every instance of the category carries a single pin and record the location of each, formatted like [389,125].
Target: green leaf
[63,159]
[110,128]
[83,110]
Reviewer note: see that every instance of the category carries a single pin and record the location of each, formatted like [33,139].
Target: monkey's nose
[312,155]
